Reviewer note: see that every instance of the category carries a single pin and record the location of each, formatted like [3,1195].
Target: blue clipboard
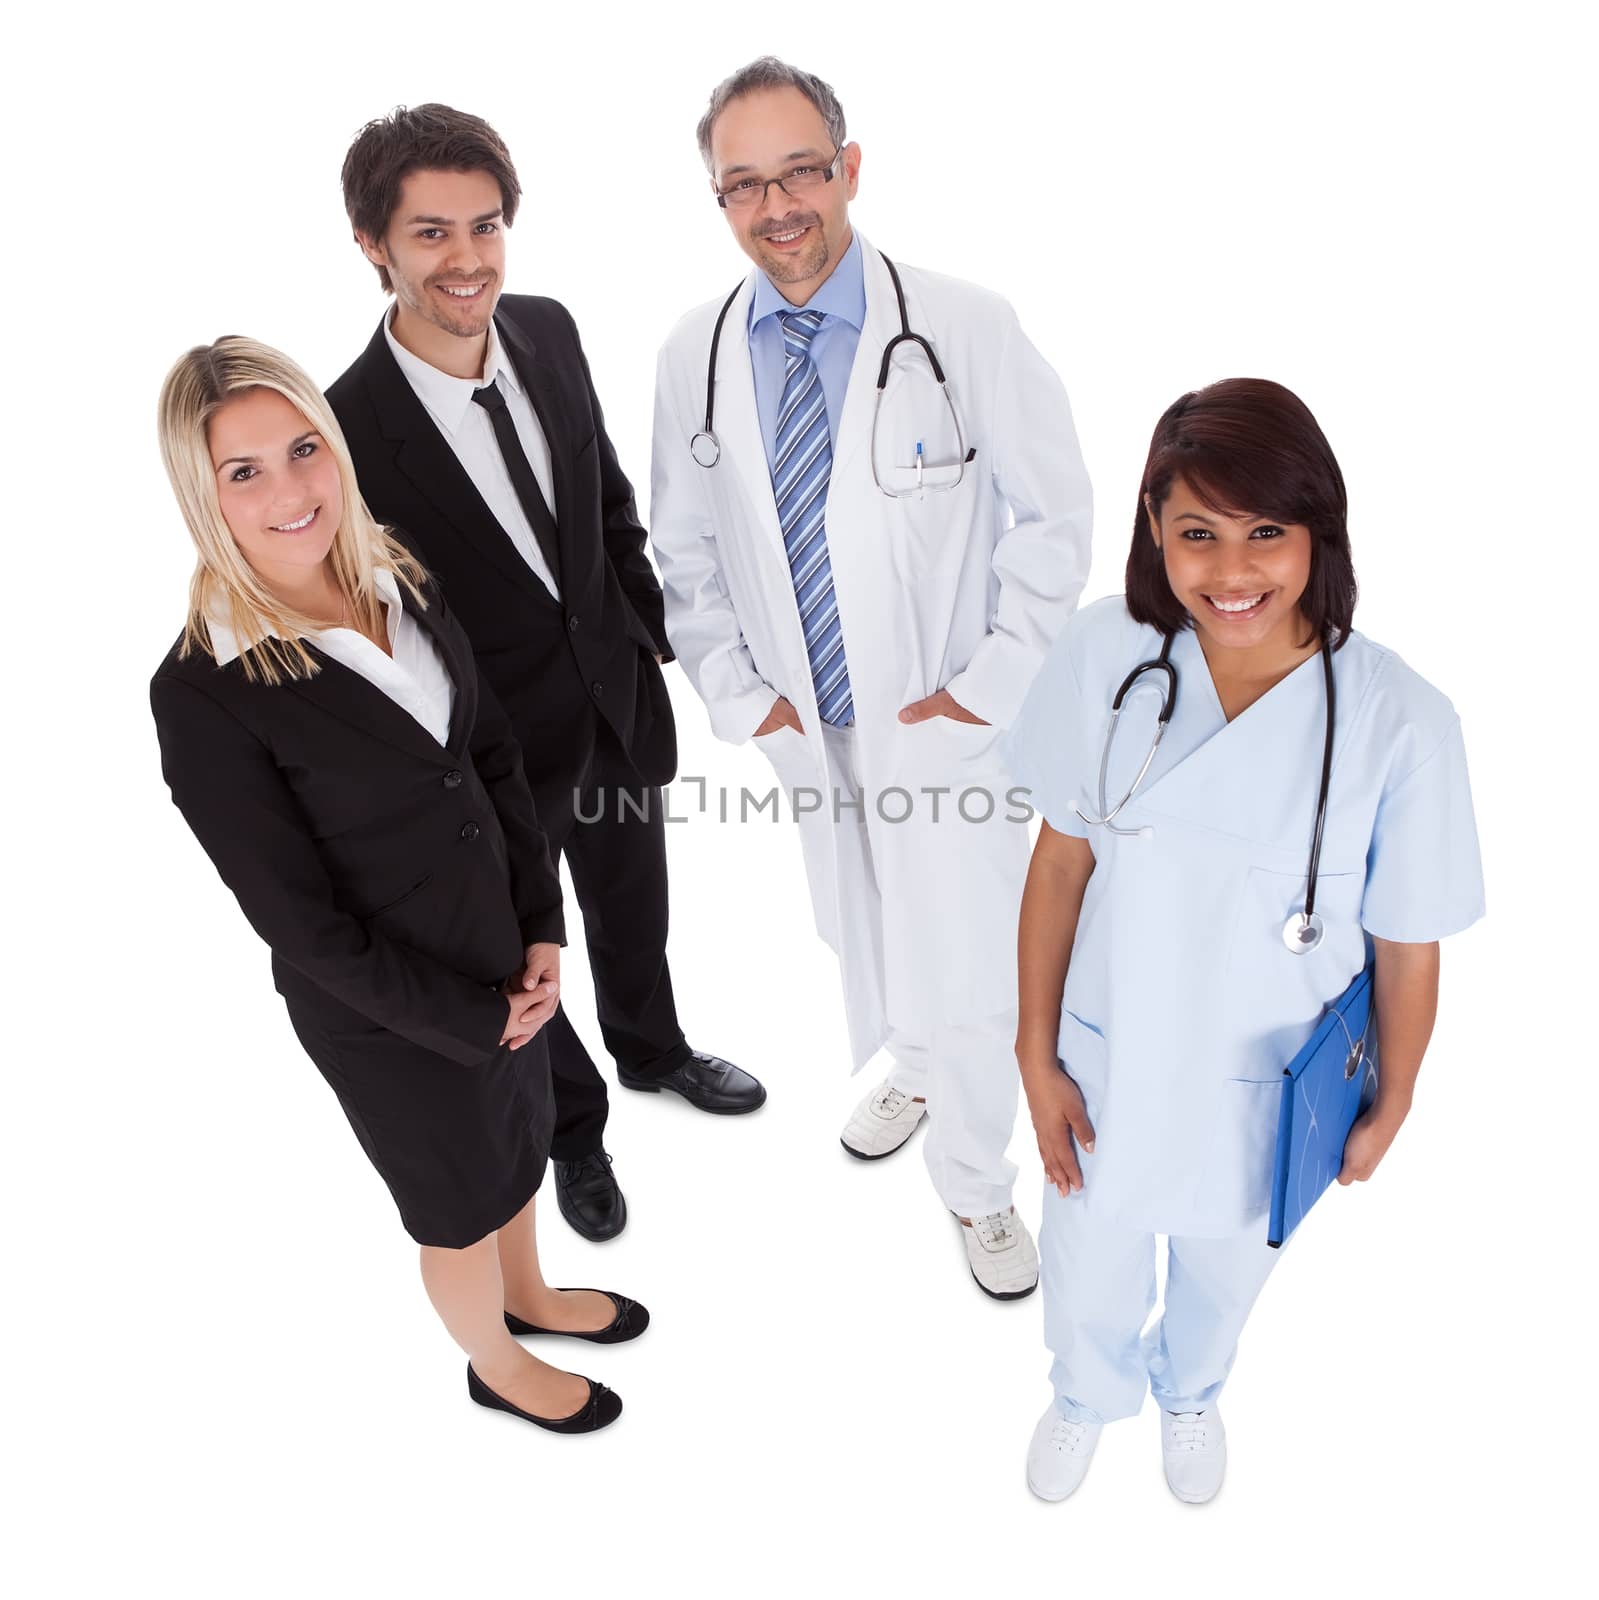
[1325,1087]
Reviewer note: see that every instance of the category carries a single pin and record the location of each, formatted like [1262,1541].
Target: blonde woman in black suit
[325,735]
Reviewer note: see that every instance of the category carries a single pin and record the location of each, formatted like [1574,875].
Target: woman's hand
[1059,1115]
[1407,1002]
[532,994]
[1367,1144]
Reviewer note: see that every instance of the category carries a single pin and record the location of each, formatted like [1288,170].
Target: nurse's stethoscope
[706,448]
[1303,930]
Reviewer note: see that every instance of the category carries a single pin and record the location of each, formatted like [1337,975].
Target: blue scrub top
[1182,1004]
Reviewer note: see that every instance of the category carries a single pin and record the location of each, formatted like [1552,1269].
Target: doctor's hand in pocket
[782,715]
[942,704]
[532,994]
[1059,1118]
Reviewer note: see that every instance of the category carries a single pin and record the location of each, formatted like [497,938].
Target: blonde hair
[224,584]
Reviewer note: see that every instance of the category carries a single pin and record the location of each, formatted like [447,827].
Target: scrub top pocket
[1273,996]
[1237,1180]
[1082,1053]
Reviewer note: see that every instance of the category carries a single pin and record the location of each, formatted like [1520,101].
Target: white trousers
[967,1074]
[966,1071]
[1099,1289]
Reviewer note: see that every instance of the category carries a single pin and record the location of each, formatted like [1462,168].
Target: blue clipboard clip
[1325,1087]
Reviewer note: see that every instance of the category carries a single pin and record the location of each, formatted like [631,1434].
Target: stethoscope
[1303,930]
[706,448]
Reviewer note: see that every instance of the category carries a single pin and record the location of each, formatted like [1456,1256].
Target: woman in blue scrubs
[1158,1000]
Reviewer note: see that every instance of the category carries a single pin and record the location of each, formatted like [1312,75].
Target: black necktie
[520,468]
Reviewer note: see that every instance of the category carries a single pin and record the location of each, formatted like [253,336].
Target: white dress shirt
[415,677]
[469,432]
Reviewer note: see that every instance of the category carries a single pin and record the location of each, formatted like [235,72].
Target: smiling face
[767,134]
[278,485]
[1239,577]
[445,252]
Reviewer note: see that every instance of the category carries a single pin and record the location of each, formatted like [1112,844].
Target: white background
[224,1377]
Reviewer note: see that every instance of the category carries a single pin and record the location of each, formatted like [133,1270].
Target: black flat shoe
[589,1198]
[708,1082]
[603,1408]
[630,1321]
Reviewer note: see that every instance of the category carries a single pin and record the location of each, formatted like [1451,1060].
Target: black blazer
[552,664]
[392,876]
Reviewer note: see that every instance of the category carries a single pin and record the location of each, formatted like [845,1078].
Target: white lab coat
[1182,1004]
[963,590]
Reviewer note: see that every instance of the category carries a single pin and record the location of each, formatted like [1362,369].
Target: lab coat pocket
[931,530]
[967,739]
[790,755]
[908,482]
[944,746]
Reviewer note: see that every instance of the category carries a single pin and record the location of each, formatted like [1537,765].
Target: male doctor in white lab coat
[871,607]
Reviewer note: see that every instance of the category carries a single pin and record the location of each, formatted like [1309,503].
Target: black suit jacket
[392,876]
[553,665]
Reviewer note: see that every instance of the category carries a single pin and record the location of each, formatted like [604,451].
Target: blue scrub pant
[1099,1289]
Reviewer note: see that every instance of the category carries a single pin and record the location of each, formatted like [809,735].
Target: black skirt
[462,1149]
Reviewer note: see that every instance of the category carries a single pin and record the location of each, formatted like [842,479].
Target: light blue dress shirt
[842,301]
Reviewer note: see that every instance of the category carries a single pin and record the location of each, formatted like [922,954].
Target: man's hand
[782,715]
[942,704]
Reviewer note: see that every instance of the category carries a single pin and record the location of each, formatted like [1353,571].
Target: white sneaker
[881,1123]
[1001,1254]
[1058,1457]
[1194,1446]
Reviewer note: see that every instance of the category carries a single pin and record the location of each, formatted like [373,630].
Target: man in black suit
[477,434]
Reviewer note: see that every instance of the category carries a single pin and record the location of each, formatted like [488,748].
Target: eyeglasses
[796,183]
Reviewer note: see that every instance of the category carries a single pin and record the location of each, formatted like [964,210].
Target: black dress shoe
[705,1081]
[630,1321]
[589,1199]
[603,1407]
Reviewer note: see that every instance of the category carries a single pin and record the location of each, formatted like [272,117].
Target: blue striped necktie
[800,470]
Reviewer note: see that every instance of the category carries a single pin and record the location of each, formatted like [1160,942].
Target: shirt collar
[445,396]
[225,645]
[842,293]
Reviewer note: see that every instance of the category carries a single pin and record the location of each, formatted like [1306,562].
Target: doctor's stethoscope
[706,448]
[1303,930]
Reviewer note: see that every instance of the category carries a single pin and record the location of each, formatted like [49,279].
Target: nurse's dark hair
[1247,447]
[430,138]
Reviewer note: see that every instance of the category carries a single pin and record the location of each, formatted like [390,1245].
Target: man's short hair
[430,138]
[769,73]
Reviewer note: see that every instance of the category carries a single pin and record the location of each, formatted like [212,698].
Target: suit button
[598,689]
[470,830]
[571,624]
[453,780]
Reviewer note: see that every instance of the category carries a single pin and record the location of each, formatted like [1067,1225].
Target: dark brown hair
[1247,446]
[430,138]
